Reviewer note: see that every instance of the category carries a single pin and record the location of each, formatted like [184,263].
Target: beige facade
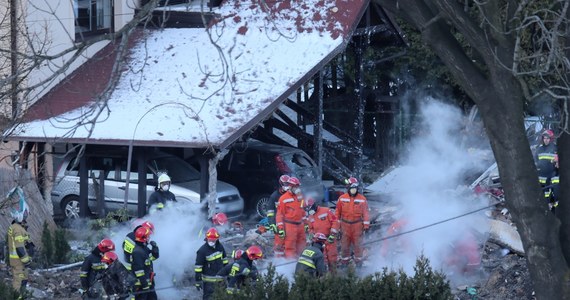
[50,28]
[53,28]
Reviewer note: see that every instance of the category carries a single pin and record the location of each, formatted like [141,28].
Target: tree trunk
[499,97]
[563,209]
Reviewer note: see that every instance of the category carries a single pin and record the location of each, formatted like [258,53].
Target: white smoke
[178,234]
[429,187]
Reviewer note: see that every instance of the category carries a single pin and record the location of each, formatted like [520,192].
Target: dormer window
[92,17]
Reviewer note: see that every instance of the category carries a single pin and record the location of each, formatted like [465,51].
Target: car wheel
[70,206]
[262,205]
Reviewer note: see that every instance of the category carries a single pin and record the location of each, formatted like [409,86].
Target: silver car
[185,183]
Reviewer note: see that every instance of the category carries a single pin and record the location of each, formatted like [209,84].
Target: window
[178,170]
[92,17]
[134,176]
[301,165]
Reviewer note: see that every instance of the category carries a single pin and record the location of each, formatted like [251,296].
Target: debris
[60,268]
[506,235]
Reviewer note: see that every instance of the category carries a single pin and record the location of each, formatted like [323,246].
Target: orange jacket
[291,209]
[323,221]
[352,209]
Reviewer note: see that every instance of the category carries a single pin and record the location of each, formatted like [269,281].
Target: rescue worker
[92,269]
[142,268]
[544,158]
[291,218]
[129,242]
[352,212]
[18,240]
[278,241]
[225,271]
[396,243]
[161,195]
[322,219]
[243,269]
[219,221]
[312,259]
[117,281]
[210,259]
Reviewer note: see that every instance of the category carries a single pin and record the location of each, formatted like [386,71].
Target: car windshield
[178,170]
[301,165]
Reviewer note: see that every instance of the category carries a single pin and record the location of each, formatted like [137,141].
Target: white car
[185,183]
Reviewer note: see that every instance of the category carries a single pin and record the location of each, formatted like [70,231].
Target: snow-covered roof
[197,87]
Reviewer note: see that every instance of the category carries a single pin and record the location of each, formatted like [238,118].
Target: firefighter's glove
[198,285]
[154,250]
[281,233]
[30,248]
[366,227]
[331,238]
[273,228]
[27,261]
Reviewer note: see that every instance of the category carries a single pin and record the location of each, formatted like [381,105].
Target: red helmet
[351,182]
[237,253]
[212,234]
[319,237]
[254,252]
[220,219]
[142,234]
[109,257]
[106,245]
[283,179]
[548,133]
[148,225]
[294,181]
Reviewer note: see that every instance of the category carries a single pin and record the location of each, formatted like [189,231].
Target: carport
[206,101]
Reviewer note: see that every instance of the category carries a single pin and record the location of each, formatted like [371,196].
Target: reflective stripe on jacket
[209,261]
[311,261]
[17,239]
[291,209]
[323,221]
[352,209]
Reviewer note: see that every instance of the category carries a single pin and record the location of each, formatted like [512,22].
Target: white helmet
[20,213]
[163,178]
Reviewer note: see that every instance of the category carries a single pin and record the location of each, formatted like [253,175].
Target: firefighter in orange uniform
[278,247]
[322,219]
[352,212]
[291,218]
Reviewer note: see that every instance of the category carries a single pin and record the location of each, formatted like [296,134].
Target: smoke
[428,187]
[178,234]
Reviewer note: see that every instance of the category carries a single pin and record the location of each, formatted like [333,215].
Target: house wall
[49,30]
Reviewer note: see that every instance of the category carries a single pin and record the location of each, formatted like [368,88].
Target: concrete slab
[506,236]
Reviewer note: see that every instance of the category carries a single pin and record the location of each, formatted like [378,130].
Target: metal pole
[129,159]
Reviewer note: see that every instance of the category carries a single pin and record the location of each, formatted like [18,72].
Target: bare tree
[24,51]
[505,54]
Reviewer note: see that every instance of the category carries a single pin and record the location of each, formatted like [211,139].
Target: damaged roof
[196,87]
